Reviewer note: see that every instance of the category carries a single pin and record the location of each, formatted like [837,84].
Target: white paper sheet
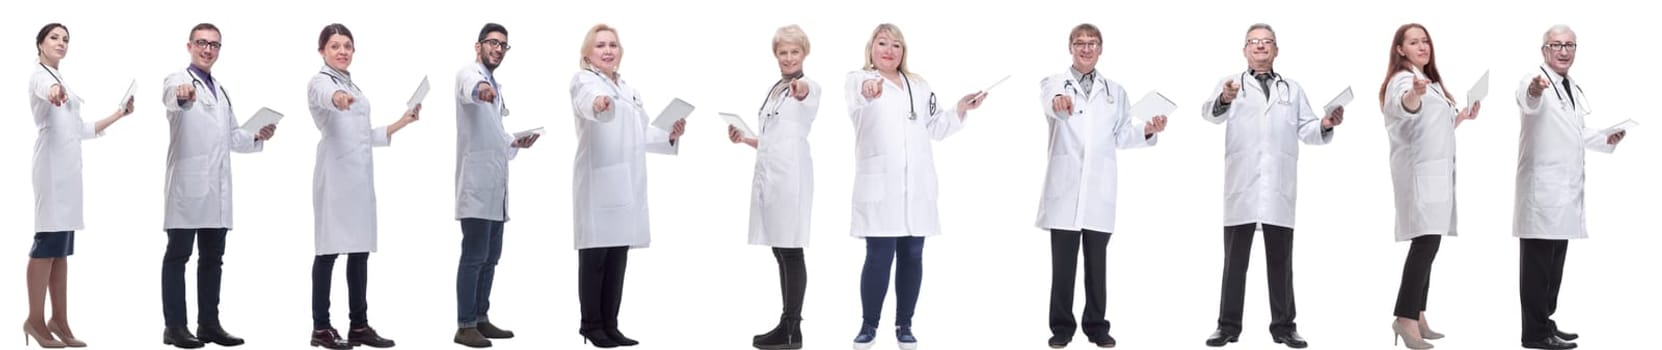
[1343,99]
[420,94]
[1153,104]
[264,117]
[132,88]
[675,111]
[524,134]
[1619,127]
[1478,91]
[737,122]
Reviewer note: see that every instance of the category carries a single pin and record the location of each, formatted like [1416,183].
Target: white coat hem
[1412,237]
[1551,237]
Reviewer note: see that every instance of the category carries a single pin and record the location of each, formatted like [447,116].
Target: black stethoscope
[780,92]
[612,85]
[1560,94]
[1280,85]
[194,81]
[1096,79]
[912,105]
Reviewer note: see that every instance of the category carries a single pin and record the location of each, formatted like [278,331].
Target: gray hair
[1264,26]
[1557,29]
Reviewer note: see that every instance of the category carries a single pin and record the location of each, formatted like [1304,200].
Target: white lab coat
[343,179]
[895,191]
[57,163]
[782,193]
[1260,154]
[1082,179]
[1422,159]
[202,135]
[609,178]
[483,149]
[1551,158]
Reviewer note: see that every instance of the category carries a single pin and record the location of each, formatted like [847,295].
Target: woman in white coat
[57,183]
[609,181]
[343,188]
[895,116]
[783,190]
[1090,120]
[1420,118]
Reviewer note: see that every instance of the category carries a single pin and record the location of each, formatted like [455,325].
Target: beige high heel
[45,342]
[64,336]
[1417,344]
[1428,334]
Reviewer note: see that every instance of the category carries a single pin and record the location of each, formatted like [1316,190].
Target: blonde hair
[790,34]
[588,46]
[893,32]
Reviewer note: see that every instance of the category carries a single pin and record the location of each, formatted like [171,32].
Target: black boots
[787,335]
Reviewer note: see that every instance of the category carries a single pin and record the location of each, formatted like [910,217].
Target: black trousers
[600,286]
[793,280]
[357,281]
[1540,273]
[212,244]
[1064,258]
[1237,254]
[1416,276]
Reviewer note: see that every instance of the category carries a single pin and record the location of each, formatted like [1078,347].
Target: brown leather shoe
[329,339]
[367,336]
[471,337]
[491,331]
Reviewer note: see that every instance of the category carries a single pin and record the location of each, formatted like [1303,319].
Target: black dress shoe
[1291,339]
[367,336]
[598,338]
[1566,336]
[213,333]
[1058,341]
[1219,338]
[329,339]
[491,331]
[1552,343]
[1103,341]
[618,337]
[181,338]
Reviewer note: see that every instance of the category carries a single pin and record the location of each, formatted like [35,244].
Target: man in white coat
[483,149]
[204,131]
[1550,186]
[1268,116]
[1090,118]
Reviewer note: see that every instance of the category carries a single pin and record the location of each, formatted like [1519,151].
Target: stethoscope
[1280,85]
[194,81]
[1074,89]
[780,92]
[613,85]
[1560,94]
[912,104]
[59,80]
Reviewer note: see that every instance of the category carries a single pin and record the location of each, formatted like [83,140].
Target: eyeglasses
[1266,42]
[205,44]
[1087,44]
[496,43]
[1560,46]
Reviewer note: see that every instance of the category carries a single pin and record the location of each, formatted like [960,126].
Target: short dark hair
[44,31]
[331,30]
[491,27]
[202,26]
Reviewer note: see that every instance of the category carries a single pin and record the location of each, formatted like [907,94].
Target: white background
[986,280]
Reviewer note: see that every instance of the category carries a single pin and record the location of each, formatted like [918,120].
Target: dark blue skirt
[53,245]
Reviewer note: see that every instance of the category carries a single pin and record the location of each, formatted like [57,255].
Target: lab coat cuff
[379,137]
[90,131]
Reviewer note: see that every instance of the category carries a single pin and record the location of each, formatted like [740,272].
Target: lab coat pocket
[192,186]
[1552,187]
[869,181]
[611,186]
[1434,181]
[1241,176]
[1062,179]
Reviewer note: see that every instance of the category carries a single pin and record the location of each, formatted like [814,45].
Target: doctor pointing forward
[1268,116]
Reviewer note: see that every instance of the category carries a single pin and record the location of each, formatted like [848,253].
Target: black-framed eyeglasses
[1265,42]
[496,43]
[1560,46]
[205,44]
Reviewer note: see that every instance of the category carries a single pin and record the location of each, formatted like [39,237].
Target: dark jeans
[212,243]
[481,249]
[1416,276]
[1237,254]
[1540,273]
[874,278]
[357,280]
[1064,258]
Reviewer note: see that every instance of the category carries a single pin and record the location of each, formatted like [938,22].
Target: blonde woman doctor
[783,189]
[609,181]
[896,116]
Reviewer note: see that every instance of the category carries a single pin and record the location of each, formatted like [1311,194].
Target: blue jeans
[874,278]
[481,249]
